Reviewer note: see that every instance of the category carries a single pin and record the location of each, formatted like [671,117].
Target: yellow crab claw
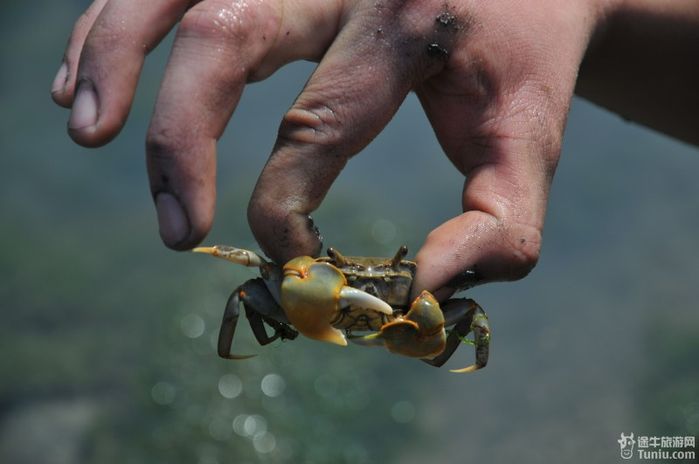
[312,295]
[232,254]
[420,334]
[426,313]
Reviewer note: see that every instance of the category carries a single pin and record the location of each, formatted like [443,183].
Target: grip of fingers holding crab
[500,121]
[505,143]
[495,88]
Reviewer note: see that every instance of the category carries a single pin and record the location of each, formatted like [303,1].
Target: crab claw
[350,296]
[313,293]
[232,254]
[420,334]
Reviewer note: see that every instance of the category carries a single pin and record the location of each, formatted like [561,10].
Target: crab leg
[313,294]
[418,334]
[234,255]
[260,308]
[400,254]
[228,324]
[468,317]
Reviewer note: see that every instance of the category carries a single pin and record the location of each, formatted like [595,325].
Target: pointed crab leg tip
[465,370]
[356,297]
[207,250]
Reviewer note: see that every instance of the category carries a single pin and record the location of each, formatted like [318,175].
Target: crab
[337,298]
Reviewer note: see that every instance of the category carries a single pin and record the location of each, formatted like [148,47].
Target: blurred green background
[107,337]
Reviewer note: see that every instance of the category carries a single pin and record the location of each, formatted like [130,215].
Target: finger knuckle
[544,106]
[219,20]
[161,145]
[316,124]
[263,209]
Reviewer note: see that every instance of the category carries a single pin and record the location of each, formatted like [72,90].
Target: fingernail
[84,112]
[59,82]
[174,225]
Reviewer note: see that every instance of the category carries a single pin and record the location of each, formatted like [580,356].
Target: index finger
[354,92]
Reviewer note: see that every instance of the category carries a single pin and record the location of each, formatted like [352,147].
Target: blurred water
[107,335]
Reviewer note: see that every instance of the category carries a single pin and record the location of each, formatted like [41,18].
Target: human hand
[495,79]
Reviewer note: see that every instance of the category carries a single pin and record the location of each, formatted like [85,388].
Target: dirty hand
[495,79]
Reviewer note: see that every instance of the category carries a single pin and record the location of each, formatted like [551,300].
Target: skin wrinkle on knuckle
[542,125]
[318,124]
[471,79]
[524,147]
[273,210]
[232,22]
[162,147]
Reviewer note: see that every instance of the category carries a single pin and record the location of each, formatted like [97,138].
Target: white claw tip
[353,296]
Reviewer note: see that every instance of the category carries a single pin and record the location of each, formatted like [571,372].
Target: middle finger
[218,48]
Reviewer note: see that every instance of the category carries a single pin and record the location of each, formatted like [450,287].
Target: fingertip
[282,233]
[84,116]
[427,274]
[476,248]
[90,137]
[64,81]
[173,223]
[94,122]
[59,97]
[178,228]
